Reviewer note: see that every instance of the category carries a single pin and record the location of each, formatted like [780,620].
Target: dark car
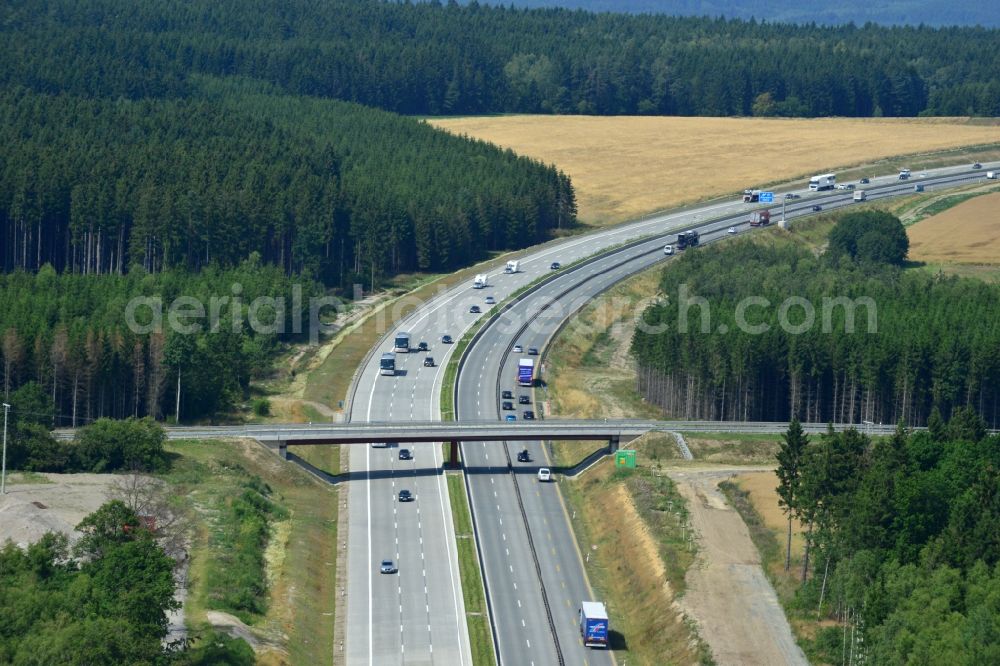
[387,567]
[522,456]
[817,208]
[446,339]
[507,405]
[850,186]
[474,309]
[977,165]
[507,395]
[555,265]
[404,454]
[532,351]
[422,346]
[523,400]
[405,496]
[528,415]
[428,361]
[864,181]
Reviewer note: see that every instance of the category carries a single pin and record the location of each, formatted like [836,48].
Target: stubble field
[969,233]
[624,167]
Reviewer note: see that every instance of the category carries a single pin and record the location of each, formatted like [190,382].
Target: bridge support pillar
[453,456]
[614,444]
[282,450]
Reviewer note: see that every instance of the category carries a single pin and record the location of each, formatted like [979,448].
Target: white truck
[512,266]
[904,174]
[824,181]
[992,175]
[860,195]
[479,282]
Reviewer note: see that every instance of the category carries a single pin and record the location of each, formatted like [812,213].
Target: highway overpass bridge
[613,431]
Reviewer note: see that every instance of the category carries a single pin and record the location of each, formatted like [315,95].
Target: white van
[544,474]
[668,249]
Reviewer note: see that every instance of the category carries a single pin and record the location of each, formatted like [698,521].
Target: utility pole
[3,474]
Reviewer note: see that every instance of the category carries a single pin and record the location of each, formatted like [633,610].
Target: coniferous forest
[918,342]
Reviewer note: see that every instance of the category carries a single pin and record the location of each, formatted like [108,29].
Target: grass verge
[477,620]
[298,579]
[636,561]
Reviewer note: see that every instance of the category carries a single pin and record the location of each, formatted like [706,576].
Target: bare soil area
[57,504]
[728,595]
[623,167]
[969,233]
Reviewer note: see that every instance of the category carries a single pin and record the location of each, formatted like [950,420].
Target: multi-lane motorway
[534,573]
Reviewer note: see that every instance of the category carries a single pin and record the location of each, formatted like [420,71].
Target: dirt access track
[728,595]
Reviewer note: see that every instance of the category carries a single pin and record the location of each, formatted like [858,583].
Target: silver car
[388,567]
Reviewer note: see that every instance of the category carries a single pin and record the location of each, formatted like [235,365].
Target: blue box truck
[594,624]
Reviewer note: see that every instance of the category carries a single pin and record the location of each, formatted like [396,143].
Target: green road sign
[625,458]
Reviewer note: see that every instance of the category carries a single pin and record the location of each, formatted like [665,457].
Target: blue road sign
[767,197]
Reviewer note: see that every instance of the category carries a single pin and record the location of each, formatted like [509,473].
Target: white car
[490,300]
[518,349]
[732,230]
[668,249]
[544,474]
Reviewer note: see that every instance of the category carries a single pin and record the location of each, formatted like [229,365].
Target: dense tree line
[429,58]
[918,341]
[346,193]
[68,337]
[886,12]
[103,601]
[902,541]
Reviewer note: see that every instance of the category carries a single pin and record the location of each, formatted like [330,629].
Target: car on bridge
[388,567]
[404,454]
[405,496]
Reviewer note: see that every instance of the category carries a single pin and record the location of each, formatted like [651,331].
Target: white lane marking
[368,487]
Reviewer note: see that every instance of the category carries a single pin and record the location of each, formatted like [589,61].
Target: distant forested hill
[886,12]
[432,59]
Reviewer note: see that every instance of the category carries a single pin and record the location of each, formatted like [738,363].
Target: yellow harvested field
[762,487]
[969,233]
[623,167]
